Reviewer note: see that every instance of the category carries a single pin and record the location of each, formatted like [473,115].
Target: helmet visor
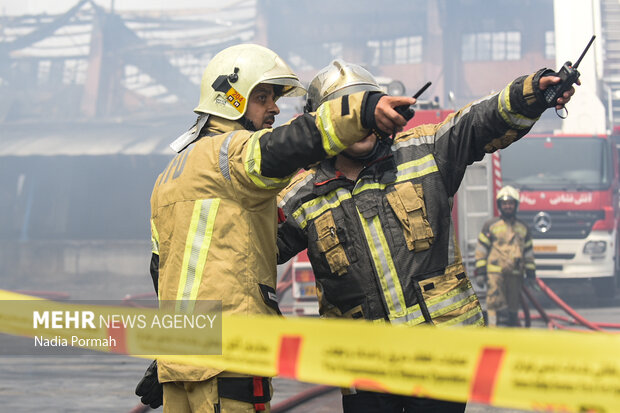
[291,86]
[349,90]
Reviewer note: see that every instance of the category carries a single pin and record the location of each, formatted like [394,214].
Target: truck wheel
[604,287]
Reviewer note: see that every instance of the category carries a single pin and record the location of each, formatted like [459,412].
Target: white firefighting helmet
[228,81]
[231,75]
[337,79]
[507,193]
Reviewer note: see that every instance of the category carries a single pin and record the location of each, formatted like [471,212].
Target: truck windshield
[558,163]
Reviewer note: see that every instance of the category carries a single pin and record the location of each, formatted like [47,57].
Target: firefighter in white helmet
[213,209]
[376,219]
[504,256]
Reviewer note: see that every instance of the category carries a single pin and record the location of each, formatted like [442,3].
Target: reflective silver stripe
[413,317]
[416,166]
[181,166]
[414,141]
[384,266]
[451,302]
[196,249]
[294,189]
[381,260]
[223,161]
[452,122]
[470,318]
[451,247]
[513,119]
[168,172]
[315,207]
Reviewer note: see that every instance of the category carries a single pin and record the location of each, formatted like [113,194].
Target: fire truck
[569,198]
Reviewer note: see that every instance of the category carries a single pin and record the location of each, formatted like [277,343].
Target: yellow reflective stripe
[530,265]
[331,143]
[416,162]
[416,168]
[460,290]
[154,239]
[481,263]
[494,268]
[471,318]
[196,250]
[384,266]
[253,161]
[453,304]
[412,311]
[513,119]
[365,187]
[404,172]
[418,174]
[484,239]
[317,206]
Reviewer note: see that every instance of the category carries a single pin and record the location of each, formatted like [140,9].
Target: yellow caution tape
[551,371]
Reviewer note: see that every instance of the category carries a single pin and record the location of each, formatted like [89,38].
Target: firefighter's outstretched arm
[489,124]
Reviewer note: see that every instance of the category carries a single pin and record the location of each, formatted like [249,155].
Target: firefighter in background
[213,209]
[504,255]
[376,219]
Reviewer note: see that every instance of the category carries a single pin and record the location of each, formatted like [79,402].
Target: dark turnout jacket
[383,247]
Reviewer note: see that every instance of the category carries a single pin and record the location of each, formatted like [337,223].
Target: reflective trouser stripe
[196,250]
[384,265]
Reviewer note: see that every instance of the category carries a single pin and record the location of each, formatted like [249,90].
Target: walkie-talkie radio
[569,75]
[406,111]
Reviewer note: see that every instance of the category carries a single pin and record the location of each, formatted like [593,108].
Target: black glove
[149,389]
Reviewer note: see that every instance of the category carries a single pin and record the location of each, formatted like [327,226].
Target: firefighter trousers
[224,393]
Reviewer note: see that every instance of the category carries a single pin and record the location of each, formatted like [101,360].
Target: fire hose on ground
[551,320]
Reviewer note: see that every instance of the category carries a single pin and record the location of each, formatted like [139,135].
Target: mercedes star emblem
[542,222]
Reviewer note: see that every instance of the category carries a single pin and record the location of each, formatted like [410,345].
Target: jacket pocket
[451,300]
[329,244]
[407,202]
